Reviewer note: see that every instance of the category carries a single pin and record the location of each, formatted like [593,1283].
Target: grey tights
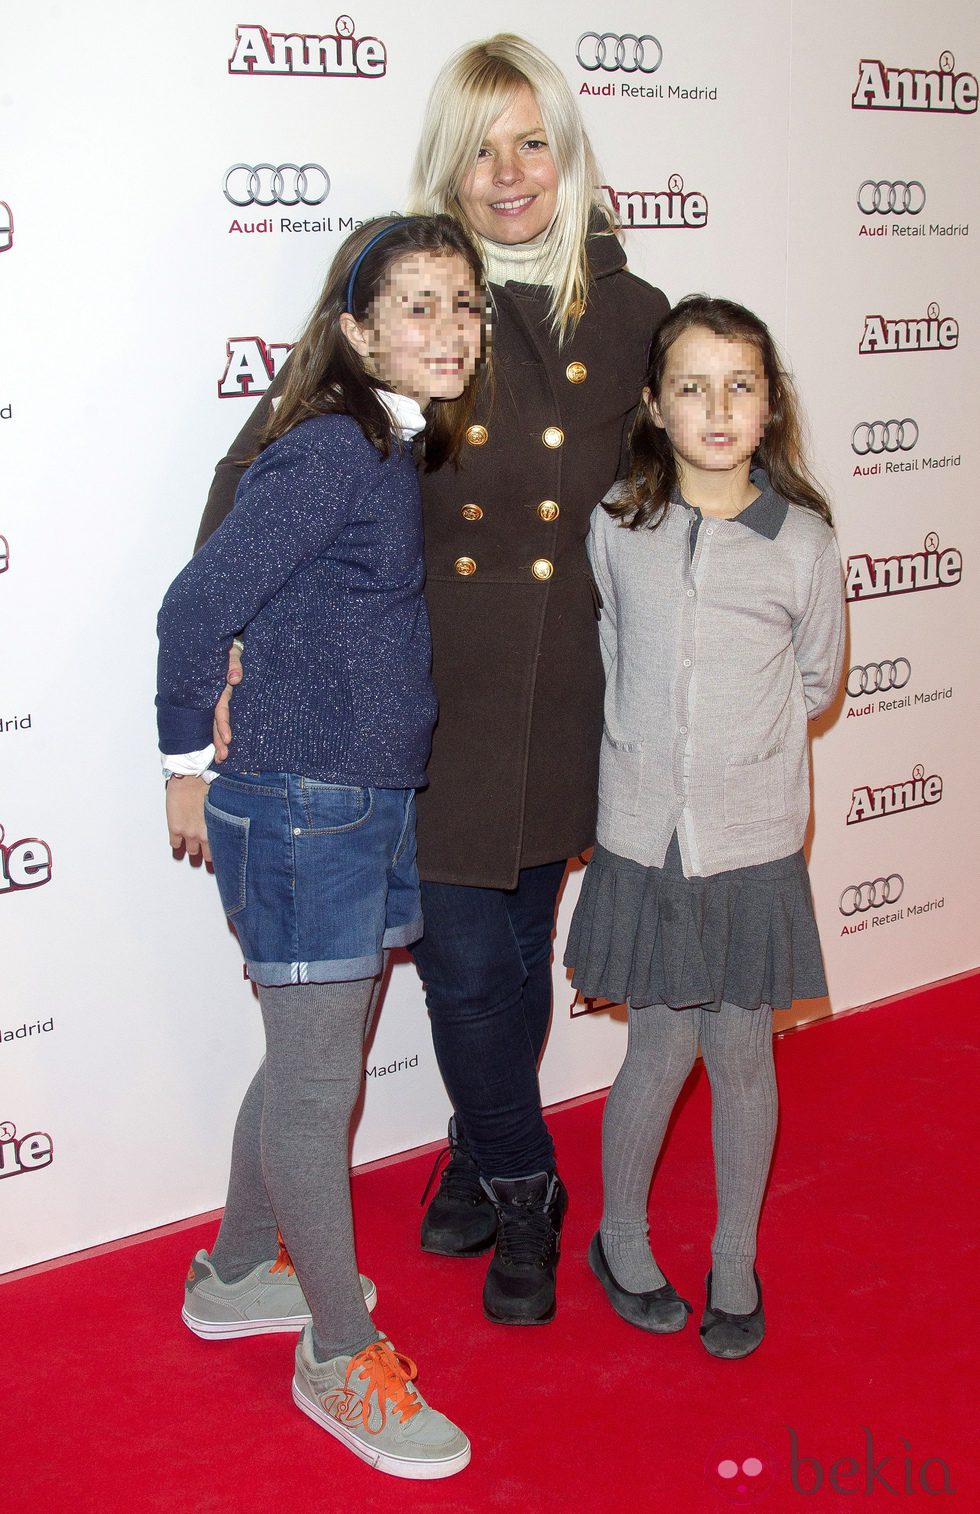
[290,1156]
[737,1048]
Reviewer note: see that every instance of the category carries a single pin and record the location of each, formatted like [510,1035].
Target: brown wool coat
[514,767]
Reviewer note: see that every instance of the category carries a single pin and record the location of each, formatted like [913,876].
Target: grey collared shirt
[714,659]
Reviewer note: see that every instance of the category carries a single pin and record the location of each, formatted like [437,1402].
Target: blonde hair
[473,88]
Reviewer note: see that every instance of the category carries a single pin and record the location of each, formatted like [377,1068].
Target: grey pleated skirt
[648,935]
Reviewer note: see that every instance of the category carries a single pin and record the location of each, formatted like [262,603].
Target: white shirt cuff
[191,764]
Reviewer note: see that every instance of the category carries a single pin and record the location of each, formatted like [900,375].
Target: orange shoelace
[388,1376]
[283,1261]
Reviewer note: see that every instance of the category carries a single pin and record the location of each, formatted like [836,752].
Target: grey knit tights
[737,1048]
[290,1157]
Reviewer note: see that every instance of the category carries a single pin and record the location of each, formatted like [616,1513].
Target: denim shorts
[316,878]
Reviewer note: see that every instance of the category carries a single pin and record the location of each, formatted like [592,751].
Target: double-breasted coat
[514,767]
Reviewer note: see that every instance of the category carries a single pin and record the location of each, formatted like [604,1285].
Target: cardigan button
[465,566]
[477,435]
[548,510]
[552,436]
[542,568]
[576,373]
[471,512]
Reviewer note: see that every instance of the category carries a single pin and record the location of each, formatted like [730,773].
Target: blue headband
[401,221]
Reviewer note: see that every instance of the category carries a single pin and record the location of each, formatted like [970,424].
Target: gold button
[542,568]
[471,512]
[576,373]
[552,436]
[548,510]
[476,435]
[464,566]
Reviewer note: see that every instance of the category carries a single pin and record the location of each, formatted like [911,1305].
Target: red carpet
[870,1277]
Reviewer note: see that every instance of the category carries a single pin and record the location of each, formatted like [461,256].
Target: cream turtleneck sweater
[519,263]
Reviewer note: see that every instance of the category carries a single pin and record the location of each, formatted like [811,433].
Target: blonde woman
[514,766]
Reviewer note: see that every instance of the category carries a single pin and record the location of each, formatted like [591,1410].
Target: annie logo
[918,334]
[27,1153]
[338,54]
[913,793]
[24,864]
[673,208]
[252,365]
[881,87]
[874,577]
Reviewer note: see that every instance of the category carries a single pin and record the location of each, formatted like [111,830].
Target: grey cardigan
[713,664]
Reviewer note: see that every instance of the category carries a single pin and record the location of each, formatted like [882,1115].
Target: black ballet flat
[661,1310]
[730,1336]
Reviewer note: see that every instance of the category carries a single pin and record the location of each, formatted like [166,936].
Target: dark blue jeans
[485,960]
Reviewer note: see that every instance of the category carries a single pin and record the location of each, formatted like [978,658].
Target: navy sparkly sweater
[320,563]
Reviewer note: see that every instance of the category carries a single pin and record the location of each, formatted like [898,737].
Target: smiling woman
[511,193]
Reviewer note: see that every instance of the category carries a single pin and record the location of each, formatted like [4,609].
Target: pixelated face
[511,193]
[714,401]
[423,332]
[741,1468]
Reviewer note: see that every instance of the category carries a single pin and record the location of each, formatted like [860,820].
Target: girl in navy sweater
[310,822]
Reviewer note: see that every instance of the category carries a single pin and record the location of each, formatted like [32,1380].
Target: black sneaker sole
[437,1247]
[510,1319]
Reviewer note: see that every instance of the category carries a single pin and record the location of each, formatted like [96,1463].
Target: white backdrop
[130,301]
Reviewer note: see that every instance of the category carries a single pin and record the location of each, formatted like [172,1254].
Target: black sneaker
[520,1285]
[461,1220]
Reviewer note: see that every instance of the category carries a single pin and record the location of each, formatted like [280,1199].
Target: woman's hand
[185,816]
[221,728]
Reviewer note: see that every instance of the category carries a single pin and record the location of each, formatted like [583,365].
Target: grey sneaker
[267,1300]
[370,1403]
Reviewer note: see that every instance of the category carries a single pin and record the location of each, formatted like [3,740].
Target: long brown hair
[652,478]
[325,376]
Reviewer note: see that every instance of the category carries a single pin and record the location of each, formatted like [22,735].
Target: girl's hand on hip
[185,816]
[221,727]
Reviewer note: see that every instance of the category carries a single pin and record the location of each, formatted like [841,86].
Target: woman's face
[510,194]
[423,334]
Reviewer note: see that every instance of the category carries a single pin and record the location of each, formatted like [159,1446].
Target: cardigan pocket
[621,774]
[755,788]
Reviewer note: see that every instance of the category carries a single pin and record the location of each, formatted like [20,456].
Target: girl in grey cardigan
[722,631]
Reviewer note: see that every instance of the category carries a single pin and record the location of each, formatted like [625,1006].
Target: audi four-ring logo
[884,436]
[287,184]
[865,896]
[6,227]
[891,197]
[629,53]
[876,677]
